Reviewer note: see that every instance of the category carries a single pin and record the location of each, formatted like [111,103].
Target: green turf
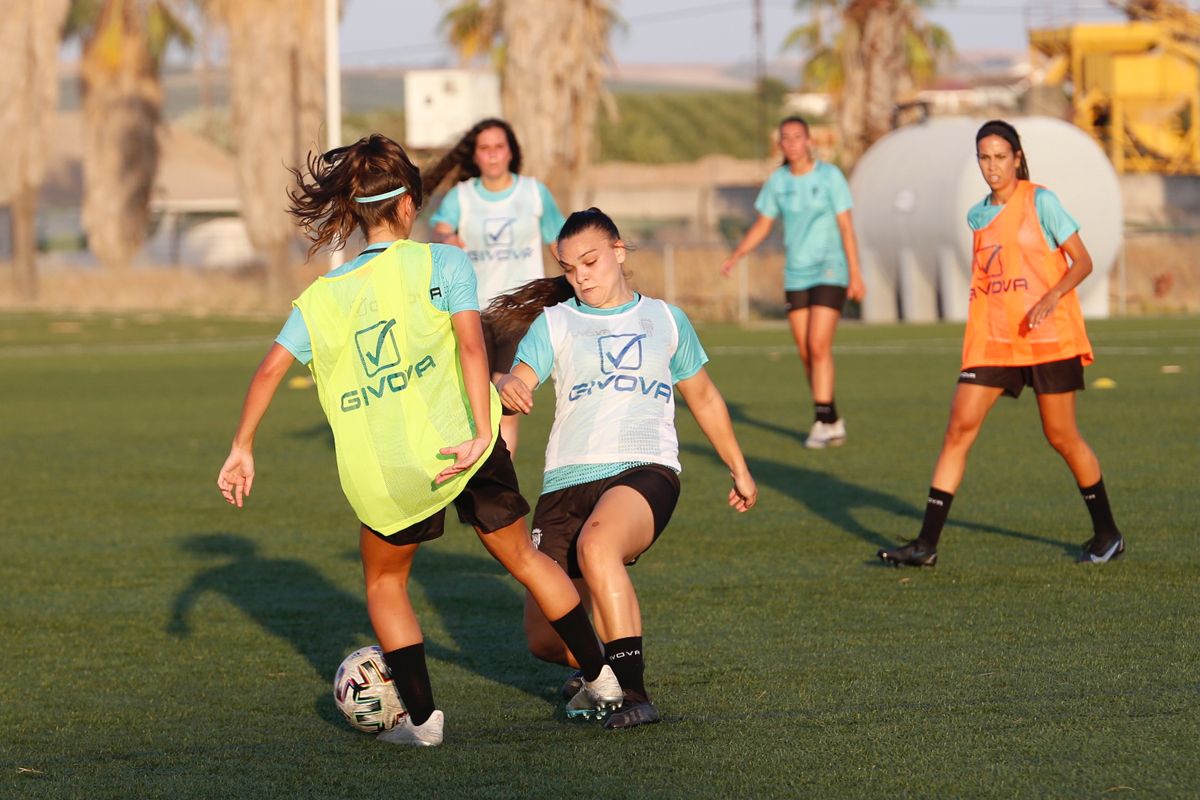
[158,643]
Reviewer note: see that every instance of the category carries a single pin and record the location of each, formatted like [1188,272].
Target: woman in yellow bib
[1024,328]
[394,342]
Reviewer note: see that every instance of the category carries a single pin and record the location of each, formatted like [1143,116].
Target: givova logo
[498,242]
[620,355]
[377,347]
[379,354]
[992,270]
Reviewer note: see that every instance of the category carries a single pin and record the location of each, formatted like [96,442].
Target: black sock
[826,412]
[577,634]
[411,678]
[937,508]
[625,658]
[1103,524]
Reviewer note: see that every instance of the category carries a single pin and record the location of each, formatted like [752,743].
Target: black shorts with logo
[1053,377]
[491,500]
[821,295]
[559,516]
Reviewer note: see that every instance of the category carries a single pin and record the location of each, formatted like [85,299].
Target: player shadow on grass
[287,597]
[835,500]
[295,602]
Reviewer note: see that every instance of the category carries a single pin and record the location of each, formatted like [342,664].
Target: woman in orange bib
[1024,328]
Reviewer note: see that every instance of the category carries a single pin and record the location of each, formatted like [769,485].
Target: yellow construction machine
[1135,86]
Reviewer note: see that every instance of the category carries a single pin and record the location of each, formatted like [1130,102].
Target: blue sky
[405,32]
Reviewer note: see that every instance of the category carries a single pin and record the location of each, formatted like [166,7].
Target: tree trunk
[122,103]
[24,234]
[553,79]
[876,74]
[30,34]
[276,65]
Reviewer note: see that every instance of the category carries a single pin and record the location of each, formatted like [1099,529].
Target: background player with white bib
[612,460]
[821,272]
[501,218]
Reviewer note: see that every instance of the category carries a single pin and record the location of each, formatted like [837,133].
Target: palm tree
[869,54]
[30,33]
[552,71]
[277,93]
[123,45]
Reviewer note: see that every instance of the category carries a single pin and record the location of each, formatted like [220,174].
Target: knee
[1061,439]
[960,433]
[383,580]
[594,555]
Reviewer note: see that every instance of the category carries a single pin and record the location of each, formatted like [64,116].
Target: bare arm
[1081,267]
[516,388]
[759,231]
[857,289]
[443,233]
[237,473]
[711,413]
[472,355]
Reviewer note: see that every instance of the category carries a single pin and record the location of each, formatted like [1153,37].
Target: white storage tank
[912,190]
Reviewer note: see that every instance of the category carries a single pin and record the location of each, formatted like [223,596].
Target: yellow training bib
[386,366]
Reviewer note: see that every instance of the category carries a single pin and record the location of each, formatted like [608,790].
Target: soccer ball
[364,692]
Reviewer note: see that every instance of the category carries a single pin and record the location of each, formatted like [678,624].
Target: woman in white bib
[500,218]
[395,345]
[612,461]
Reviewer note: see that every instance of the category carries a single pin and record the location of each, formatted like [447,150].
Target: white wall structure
[441,104]
[912,190]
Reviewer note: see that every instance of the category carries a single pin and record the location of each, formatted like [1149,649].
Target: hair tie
[383,196]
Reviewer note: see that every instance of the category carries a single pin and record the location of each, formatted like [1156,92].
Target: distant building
[440,104]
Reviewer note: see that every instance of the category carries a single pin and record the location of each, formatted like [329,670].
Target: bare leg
[970,406]
[620,527]
[544,643]
[822,323]
[798,321]
[385,569]
[1058,423]
[550,587]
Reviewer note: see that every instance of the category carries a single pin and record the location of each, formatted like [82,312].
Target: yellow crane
[1135,86]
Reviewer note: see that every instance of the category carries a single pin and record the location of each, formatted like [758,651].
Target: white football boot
[428,734]
[826,434]
[596,697]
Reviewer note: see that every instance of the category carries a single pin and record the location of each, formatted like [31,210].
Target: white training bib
[503,237]
[614,398]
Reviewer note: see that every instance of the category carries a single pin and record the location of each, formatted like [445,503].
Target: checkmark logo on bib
[377,347]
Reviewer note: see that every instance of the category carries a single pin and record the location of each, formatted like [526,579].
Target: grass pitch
[159,643]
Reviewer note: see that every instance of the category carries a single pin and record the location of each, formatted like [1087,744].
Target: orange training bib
[1012,269]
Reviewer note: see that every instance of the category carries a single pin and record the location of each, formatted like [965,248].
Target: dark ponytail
[998,127]
[459,162]
[324,200]
[589,219]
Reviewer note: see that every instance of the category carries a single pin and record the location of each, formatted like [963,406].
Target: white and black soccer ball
[364,692]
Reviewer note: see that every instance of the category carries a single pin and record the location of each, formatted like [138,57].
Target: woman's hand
[465,456]
[728,265]
[744,493]
[857,290]
[1041,310]
[515,394]
[236,476]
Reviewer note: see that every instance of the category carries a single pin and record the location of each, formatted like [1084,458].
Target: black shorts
[490,501]
[500,353]
[559,516]
[821,295]
[1053,377]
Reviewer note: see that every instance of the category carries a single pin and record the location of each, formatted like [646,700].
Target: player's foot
[596,696]
[572,686]
[913,553]
[826,434]
[630,715]
[428,734]
[1100,552]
